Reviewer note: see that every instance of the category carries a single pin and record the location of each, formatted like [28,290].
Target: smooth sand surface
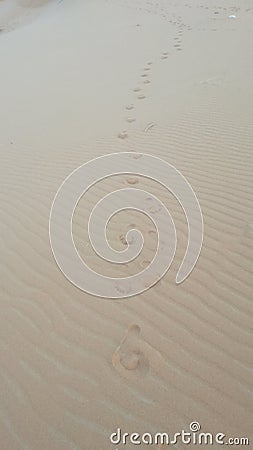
[79,79]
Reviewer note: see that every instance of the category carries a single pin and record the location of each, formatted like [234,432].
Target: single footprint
[122,238]
[125,290]
[149,63]
[149,126]
[129,107]
[141,96]
[123,135]
[146,81]
[130,119]
[129,359]
[137,155]
[132,180]
[144,264]
[152,233]
[143,75]
[137,89]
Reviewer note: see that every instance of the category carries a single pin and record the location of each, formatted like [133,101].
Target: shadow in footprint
[129,359]
[129,107]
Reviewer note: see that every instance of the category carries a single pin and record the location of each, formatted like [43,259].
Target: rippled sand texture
[80,79]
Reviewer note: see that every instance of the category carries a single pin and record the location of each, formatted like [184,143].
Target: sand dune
[17,13]
[79,80]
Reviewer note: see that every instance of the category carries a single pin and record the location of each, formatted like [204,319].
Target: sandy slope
[73,76]
[16,13]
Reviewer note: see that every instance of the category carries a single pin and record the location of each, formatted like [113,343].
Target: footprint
[131,226]
[137,89]
[124,290]
[146,81]
[149,126]
[152,234]
[123,135]
[130,119]
[129,359]
[129,107]
[164,55]
[123,239]
[144,264]
[137,155]
[132,180]
[149,63]
[144,75]
[141,96]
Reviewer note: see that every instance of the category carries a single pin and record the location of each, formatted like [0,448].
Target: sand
[81,79]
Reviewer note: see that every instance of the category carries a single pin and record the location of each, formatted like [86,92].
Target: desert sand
[80,79]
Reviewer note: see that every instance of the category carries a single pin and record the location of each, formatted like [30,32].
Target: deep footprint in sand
[129,359]
[164,55]
[123,135]
[130,107]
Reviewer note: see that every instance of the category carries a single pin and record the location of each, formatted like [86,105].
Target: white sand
[68,373]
